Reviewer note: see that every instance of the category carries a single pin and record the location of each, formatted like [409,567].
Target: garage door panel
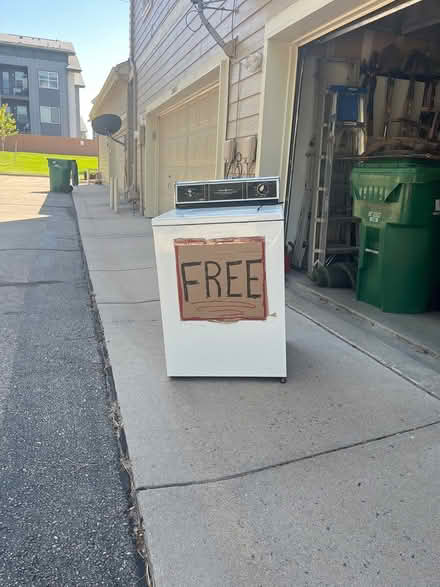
[175,173]
[174,151]
[202,149]
[200,173]
[187,146]
[203,113]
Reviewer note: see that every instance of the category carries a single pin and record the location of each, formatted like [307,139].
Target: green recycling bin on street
[398,202]
[63,173]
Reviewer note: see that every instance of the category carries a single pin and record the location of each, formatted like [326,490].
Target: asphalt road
[63,509]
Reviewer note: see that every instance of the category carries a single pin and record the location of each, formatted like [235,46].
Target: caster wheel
[283,380]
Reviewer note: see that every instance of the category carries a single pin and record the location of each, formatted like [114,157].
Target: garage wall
[103,158]
[117,161]
[169,58]
[113,99]
[112,159]
[166,51]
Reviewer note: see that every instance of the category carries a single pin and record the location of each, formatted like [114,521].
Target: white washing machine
[221,283]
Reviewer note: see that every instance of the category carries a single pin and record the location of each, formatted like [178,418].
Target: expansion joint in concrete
[40,249]
[127,303]
[122,270]
[37,283]
[114,236]
[294,461]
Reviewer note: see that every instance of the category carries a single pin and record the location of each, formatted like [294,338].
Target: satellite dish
[107,124]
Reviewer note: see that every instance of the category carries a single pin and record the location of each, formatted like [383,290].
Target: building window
[50,114]
[13,82]
[21,82]
[20,112]
[48,79]
[5,82]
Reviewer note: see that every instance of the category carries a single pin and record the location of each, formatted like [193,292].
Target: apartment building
[40,81]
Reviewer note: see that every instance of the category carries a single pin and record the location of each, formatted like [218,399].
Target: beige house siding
[103,155]
[113,100]
[112,160]
[165,50]
[172,62]
[116,100]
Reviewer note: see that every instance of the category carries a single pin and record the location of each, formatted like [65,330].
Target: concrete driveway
[63,509]
[331,479]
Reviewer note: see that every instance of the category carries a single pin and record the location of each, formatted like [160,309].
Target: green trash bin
[62,173]
[398,201]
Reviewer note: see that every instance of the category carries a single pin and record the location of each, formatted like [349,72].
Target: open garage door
[187,144]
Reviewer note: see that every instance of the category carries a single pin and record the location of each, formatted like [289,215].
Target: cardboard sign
[221,279]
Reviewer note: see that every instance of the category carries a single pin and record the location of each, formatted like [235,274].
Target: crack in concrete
[67,207]
[365,352]
[127,303]
[34,249]
[115,236]
[37,283]
[63,340]
[119,270]
[293,461]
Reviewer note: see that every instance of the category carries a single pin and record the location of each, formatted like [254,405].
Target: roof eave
[31,46]
[115,76]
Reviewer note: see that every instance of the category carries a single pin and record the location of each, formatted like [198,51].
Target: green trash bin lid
[403,170]
[60,162]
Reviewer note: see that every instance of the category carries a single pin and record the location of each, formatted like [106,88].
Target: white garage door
[188,140]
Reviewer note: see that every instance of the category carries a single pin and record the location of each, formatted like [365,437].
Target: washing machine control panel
[228,192]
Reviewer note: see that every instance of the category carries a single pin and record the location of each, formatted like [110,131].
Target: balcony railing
[13,92]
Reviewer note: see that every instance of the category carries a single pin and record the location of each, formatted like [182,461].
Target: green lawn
[36,163]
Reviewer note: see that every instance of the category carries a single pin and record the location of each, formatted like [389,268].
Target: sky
[97,28]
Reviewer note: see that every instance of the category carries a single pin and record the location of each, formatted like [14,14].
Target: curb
[143,562]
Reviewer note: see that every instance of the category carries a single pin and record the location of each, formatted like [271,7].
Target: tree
[8,126]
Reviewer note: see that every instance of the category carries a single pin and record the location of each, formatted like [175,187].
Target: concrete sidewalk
[332,479]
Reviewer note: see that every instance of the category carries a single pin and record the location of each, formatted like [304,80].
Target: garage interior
[366,140]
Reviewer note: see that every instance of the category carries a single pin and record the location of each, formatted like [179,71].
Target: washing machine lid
[227,215]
